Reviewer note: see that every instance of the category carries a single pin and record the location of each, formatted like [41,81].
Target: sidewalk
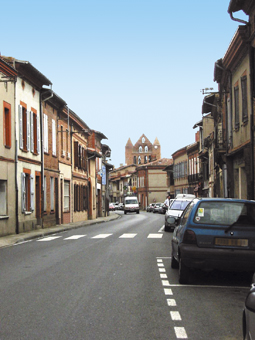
[9,240]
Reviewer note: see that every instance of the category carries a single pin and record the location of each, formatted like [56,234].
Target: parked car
[111,206]
[249,313]
[150,207]
[214,233]
[176,208]
[120,206]
[161,209]
[156,207]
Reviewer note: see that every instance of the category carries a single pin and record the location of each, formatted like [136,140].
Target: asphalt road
[113,281]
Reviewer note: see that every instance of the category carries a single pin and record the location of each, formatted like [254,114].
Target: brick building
[142,152]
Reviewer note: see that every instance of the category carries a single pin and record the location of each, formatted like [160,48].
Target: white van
[131,204]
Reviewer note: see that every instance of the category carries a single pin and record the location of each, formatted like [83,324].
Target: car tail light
[189,237]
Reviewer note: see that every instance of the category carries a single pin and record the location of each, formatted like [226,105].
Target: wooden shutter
[28,130]
[23,192]
[32,193]
[76,154]
[21,127]
[32,131]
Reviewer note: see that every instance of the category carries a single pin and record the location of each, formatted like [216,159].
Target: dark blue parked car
[214,233]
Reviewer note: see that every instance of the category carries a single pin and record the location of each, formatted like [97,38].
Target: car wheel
[167,228]
[137,212]
[125,212]
[174,263]
[183,273]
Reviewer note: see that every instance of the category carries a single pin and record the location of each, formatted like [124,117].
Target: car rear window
[179,205]
[225,213]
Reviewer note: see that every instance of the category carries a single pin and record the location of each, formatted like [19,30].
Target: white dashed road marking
[48,238]
[74,237]
[128,236]
[180,333]
[175,316]
[102,236]
[155,236]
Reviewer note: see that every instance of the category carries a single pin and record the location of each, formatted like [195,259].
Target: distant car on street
[150,207]
[111,206]
[176,208]
[156,207]
[214,233]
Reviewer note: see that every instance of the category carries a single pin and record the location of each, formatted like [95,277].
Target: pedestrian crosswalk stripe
[48,238]
[155,236]
[74,237]
[128,236]
[102,236]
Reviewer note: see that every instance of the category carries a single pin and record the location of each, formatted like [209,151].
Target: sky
[125,67]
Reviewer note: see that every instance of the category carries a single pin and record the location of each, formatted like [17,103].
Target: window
[46,133]
[134,159]
[3,198]
[236,99]
[80,156]
[62,142]
[244,99]
[145,159]
[139,160]
[7,125]
[54,140]
[66,195]
[27,191]
[52,194]
[24,128]
[140,149]
[146,148]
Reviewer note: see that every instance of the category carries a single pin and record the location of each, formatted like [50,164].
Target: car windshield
[131,201]
[225,213]
[179,205]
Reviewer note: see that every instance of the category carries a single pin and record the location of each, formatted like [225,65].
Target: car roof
[222,199]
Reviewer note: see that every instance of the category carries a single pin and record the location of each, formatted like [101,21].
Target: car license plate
[235,242]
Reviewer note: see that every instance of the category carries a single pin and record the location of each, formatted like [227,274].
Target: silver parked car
[176,208]
[249,314]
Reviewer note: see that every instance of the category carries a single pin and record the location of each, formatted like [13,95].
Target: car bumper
[221,259]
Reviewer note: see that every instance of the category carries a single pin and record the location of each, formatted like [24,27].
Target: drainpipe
[238,20]
[42,147]
[251,57]
[16,160]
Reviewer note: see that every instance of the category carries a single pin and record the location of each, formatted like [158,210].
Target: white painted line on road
[102,236]
[160,265]
[159,260]
[74,237]
[48,238]
[165,283]
[168,291]
[163,276]
[175,316]
[128,236]
[207,286]
[162,270]
[161,229]
[180,333]
[171,302]
[155,236]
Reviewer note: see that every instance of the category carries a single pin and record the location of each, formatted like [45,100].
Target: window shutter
[76,154]
[85,160]
[38,134]
[32,131]
[28,130]
[23,192]
[54,138]
[32,193]
[20,127]
[46,148]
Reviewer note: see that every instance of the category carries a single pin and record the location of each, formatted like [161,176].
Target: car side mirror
[250,301]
